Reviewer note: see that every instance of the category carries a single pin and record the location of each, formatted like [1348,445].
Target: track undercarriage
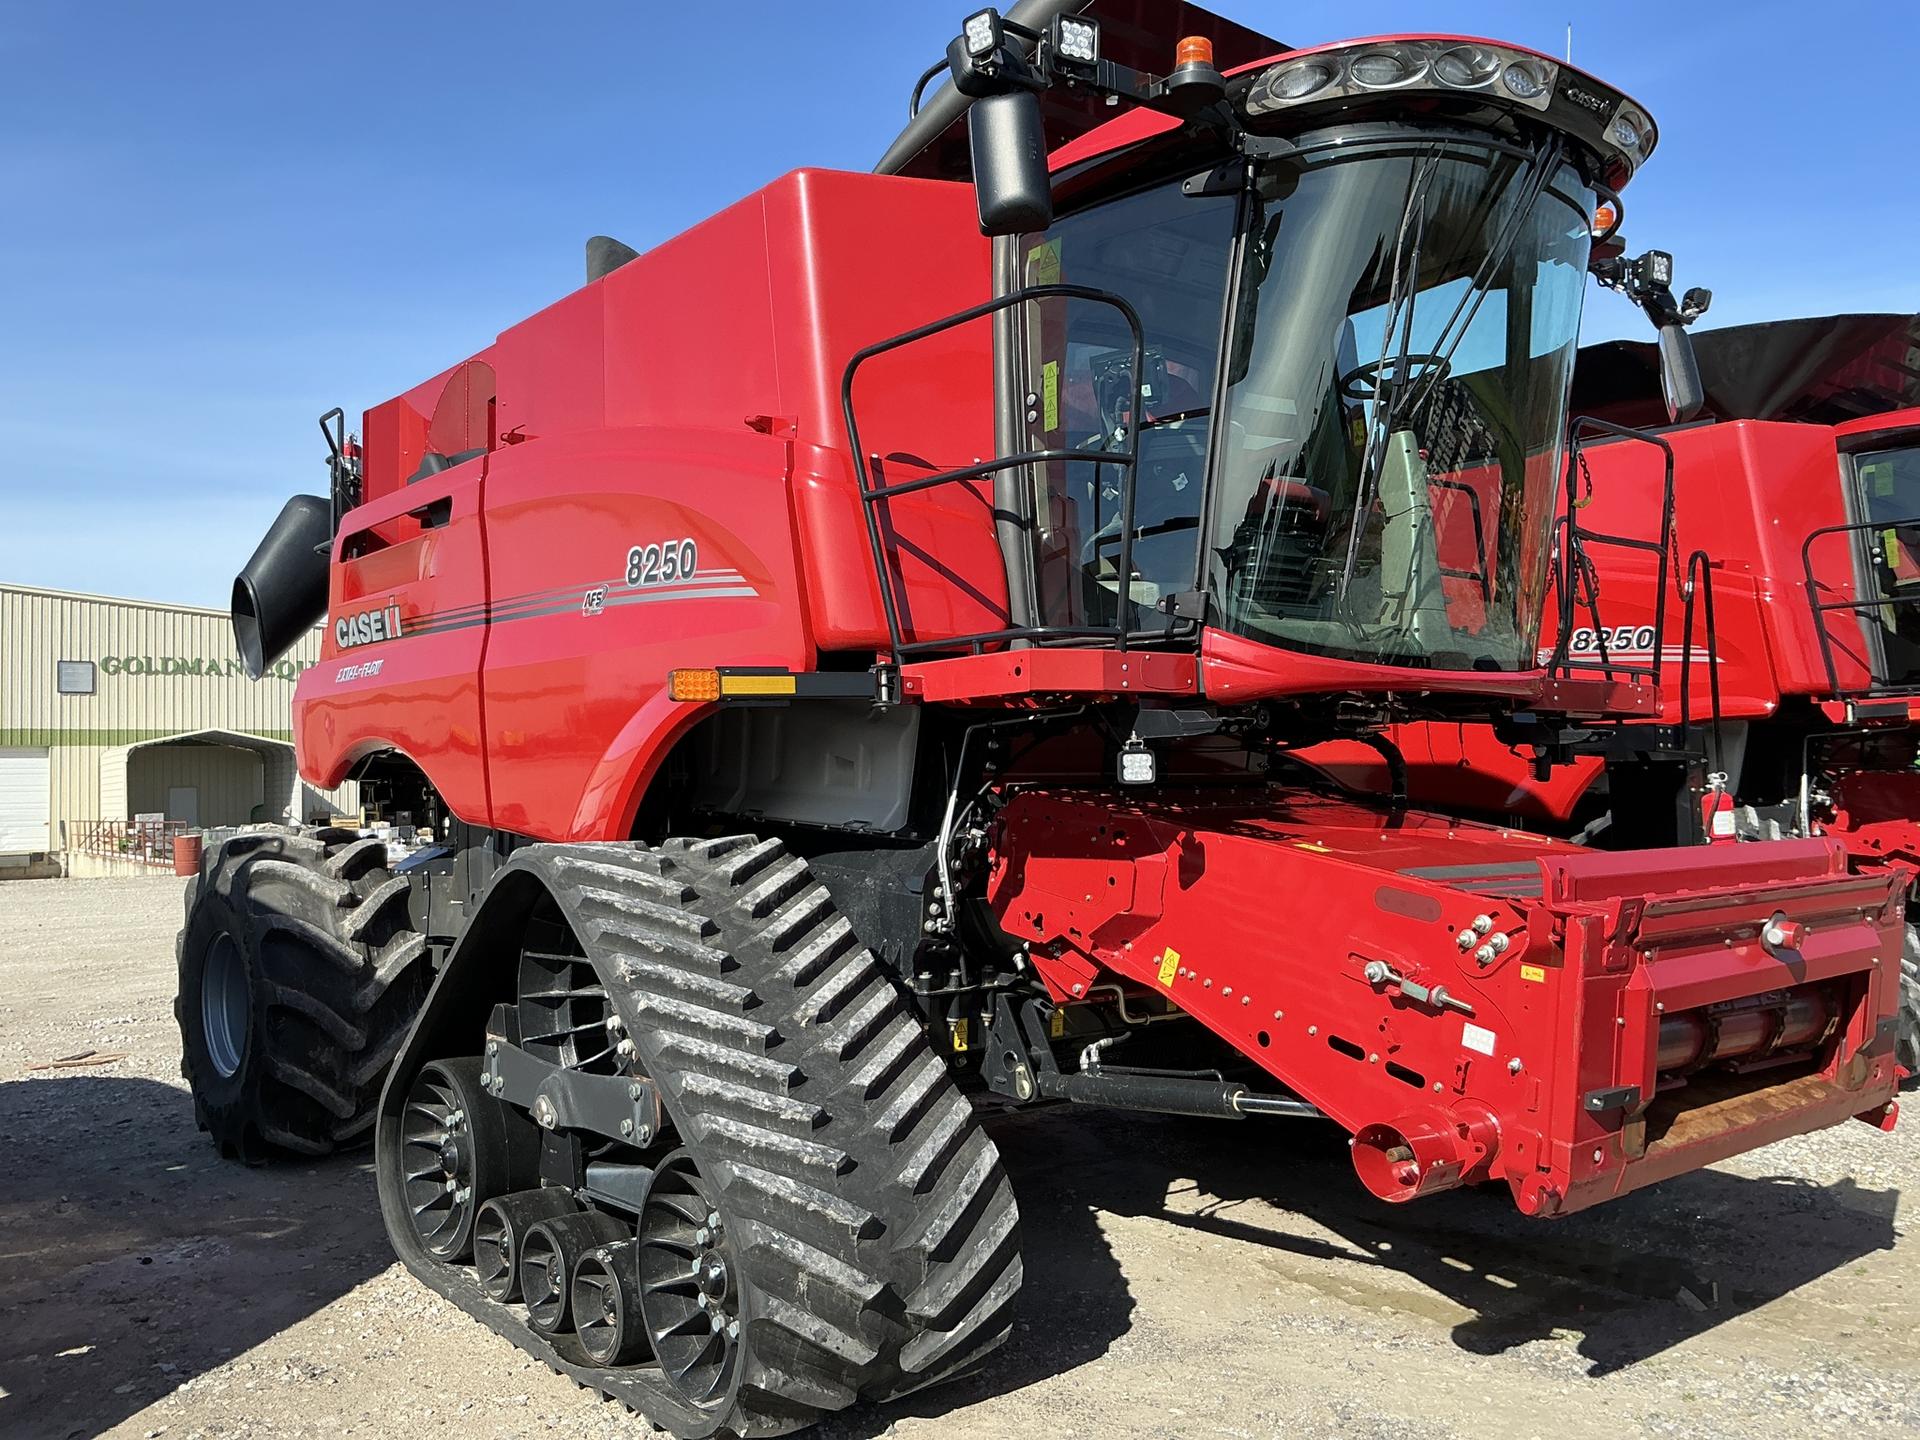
[707,1160]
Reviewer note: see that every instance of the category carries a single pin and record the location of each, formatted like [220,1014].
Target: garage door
[26,784]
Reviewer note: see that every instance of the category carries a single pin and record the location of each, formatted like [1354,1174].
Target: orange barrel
[186,854]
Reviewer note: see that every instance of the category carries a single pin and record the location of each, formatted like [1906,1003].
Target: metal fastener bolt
[1598,1154]
[1246,999]
[626,1128]
[635,1092]
[1498,942]
[733,1329]
[703,1299]
[1226,990]
[486,1081]
[643,1134]
[1514,1066]
[1279,1014]
[1659,1008]
[1465,939]
[1373,1059]
[1079,989]
[1486,954]
[1207,984]
[493,1047]
[1482,924]
[1313,1029]
[1438,1087]
[1621,1021]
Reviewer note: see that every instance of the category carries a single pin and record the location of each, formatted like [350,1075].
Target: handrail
[1876,685]
[873,494]
[1574,539]
[1704,585]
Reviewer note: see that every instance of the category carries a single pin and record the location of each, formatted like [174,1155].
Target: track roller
[498,1231]
[459,1149]
[606,1305]
[549,1256]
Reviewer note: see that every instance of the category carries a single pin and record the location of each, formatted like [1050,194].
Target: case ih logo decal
[661,571]
[369,627]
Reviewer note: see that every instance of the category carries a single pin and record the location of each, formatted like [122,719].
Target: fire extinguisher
[1716,812]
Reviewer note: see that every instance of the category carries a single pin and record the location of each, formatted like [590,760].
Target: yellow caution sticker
[959,1032]
[1169,966]
[1535,973]
[1050,394]
[1043,263]
[1057,1024]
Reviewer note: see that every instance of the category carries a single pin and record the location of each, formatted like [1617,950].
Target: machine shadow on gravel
[1634,1277]
[136,1259]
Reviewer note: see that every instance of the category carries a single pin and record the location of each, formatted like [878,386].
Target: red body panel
[693,395]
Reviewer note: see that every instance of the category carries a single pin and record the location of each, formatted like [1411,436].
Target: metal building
[115,709]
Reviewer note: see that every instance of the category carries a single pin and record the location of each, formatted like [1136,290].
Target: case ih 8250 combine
[833,719]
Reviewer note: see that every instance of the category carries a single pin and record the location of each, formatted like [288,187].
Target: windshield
[1395,410]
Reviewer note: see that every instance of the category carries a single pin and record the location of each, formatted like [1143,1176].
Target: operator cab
[1289,362]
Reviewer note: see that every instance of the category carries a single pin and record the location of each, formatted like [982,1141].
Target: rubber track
[871,1216]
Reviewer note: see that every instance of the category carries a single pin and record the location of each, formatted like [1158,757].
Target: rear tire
[300,975]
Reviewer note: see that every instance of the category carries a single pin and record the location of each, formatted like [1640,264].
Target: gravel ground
[1183,1279]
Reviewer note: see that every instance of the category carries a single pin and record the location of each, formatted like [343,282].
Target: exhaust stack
[281,593]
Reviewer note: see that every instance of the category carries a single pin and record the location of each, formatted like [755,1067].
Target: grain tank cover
[1823,370]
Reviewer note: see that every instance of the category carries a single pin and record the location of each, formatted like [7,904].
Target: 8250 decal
[662,562]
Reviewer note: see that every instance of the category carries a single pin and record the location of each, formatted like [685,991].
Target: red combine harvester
[829,720]
[1796,498]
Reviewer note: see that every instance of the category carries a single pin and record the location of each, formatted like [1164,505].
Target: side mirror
[1648,282]
[1680,374]
[1004,129]
[1010,179]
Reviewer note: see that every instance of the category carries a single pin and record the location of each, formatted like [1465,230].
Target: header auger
[844,670]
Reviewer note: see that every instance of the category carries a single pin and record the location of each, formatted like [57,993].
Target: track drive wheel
[299,977]
[461,1149]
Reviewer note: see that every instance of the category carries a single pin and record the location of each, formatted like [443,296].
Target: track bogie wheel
[499,1227]
[549,1257]
[606,1305]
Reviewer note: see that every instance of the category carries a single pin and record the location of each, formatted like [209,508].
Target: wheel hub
[226,1009]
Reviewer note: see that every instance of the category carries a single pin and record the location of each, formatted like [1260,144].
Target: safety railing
[1879,684]
[1575,570]
[147,840]
[875,493]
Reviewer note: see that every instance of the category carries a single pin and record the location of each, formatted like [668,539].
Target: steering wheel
[1364,382]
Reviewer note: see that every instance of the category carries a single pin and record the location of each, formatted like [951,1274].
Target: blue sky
[217,220]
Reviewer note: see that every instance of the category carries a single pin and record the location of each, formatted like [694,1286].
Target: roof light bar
[1497,73]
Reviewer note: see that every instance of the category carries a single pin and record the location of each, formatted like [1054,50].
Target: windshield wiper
[1405,268]
[1532,178]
